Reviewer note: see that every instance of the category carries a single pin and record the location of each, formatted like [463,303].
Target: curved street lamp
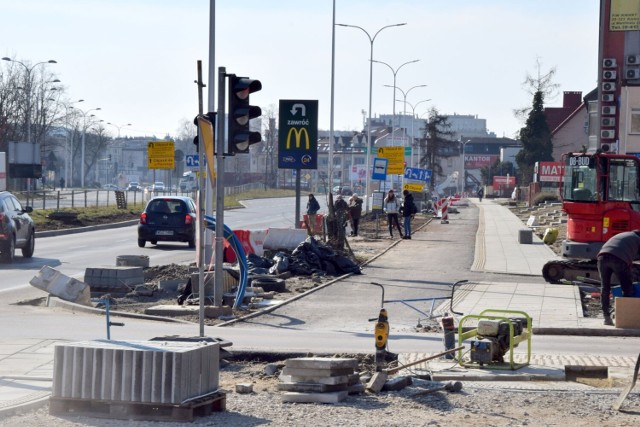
[119,127]
[369,144]
[413,116]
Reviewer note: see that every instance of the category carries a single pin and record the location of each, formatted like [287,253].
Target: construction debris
[317,379]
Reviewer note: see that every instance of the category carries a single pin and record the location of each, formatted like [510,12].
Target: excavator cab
[601,197]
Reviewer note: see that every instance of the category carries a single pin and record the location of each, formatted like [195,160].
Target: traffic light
[240,112]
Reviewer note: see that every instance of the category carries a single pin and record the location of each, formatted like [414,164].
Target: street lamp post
[404,114]
[413,116]
[84,133]
[369,145]
[119,127]
[395,73]
[28,90]
[464,178]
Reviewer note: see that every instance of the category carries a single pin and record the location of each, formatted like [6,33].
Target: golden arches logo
[298,135]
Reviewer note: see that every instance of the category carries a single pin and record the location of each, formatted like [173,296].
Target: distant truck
[189,181]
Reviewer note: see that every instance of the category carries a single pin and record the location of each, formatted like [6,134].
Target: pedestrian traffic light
[240,112]
[211,118]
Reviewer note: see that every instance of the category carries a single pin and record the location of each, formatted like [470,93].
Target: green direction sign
[298,134]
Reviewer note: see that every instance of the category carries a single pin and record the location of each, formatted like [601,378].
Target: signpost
[160,155]
[395,156]
[418,174]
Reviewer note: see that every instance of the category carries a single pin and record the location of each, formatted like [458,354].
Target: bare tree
[540,83]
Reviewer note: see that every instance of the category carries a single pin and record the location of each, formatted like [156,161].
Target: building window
[635,121]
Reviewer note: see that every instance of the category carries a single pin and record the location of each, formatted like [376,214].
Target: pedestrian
[391,207]
[409,210]
[480,194]
[312,212]
[62,183]
[355,212]
[617,256]
[341,209]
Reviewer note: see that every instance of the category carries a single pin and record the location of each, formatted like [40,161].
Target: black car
[168,219]
[17,229]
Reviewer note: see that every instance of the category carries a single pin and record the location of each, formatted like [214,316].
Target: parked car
[112,187]
[157,187]
[342,190]
[134,186]
[17,230]
[168,219]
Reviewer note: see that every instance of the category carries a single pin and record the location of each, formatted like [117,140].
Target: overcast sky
[136,59]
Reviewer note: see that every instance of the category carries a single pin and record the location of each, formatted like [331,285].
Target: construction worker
[617,256]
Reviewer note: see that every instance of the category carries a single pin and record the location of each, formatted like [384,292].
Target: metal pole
[201,207]
[369,142]
[211,105]
[217,297]
[331,111]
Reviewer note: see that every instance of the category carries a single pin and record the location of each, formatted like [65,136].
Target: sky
[137,59]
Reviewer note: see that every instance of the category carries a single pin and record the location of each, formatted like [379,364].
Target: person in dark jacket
[408,209]
[312,211]
[355,212]
[617,256]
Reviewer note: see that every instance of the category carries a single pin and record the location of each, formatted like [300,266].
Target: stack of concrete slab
[318,379]
[113,280]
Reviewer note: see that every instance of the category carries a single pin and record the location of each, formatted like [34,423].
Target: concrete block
[317,372]
[214,312]
[311,388]
[132,260]
[64,287]
[525,236]
[322,363]
[333,397]
[377,381]
[244,388]
[343,379]
[397,383]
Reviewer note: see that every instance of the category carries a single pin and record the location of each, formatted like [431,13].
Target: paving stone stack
[318,379]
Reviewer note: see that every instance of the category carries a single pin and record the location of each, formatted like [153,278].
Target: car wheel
[8,255]
[28,250]
[154,242]
[141,243]
[192,243]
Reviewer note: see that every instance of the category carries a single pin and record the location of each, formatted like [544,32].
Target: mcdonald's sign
[298,134]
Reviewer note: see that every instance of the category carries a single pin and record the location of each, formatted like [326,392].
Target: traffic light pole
[219,247]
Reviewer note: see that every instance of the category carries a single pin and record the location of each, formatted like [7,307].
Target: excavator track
[556,271]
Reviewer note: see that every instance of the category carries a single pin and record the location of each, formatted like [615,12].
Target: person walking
[341,209]
[617,256]
[480,194]
[62,183]
[312,212]
[391,207]
[408,209]
[355,212]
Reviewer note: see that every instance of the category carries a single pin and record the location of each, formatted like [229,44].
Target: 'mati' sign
[298,134]
[550,171]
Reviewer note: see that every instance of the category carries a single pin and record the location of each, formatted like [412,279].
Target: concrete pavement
[27,362]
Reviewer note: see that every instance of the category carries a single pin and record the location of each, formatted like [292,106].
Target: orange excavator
[601,197]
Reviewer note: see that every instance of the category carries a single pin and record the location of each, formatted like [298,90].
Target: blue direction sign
[418,174]
[192,160]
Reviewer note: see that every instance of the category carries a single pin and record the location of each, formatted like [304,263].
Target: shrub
[545,197]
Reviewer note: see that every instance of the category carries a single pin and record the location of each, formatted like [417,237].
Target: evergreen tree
[436,142]
[536,140]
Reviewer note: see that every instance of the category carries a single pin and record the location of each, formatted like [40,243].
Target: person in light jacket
[355,212]
[391,206]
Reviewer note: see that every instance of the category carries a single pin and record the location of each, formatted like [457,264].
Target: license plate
[164,233]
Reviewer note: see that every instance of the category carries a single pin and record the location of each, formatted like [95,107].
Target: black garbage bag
[345,265]
[257,261]
[281,263]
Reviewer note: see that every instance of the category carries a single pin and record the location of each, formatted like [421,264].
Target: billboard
[549,171]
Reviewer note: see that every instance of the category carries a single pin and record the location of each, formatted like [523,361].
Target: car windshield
[166,206]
